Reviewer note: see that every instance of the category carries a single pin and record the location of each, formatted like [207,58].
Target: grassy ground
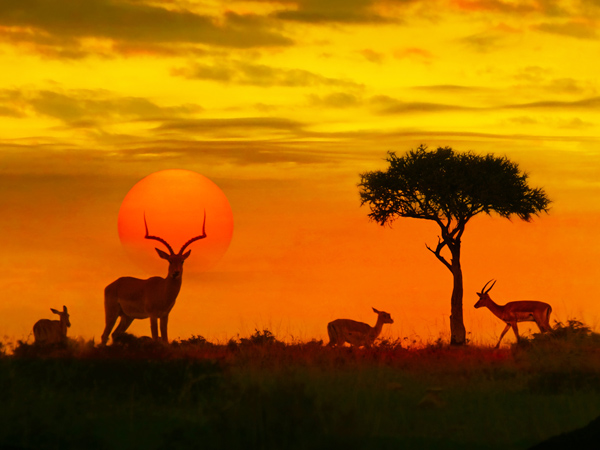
[260,393]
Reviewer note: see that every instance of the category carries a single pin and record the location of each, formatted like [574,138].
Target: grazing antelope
[356,333]
[46,331]
[132,298]
[514,312]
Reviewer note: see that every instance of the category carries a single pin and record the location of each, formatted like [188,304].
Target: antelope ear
[162,254]
[54,311]
[64,308]
[186,254]
[376,312]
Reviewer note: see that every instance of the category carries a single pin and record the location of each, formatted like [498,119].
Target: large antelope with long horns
[132,298]
[514,312]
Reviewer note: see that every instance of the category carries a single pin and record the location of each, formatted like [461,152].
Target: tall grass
[258,392]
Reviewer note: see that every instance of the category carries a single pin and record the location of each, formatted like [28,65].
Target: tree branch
[437,253]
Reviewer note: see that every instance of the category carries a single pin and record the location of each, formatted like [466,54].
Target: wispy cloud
[416,54]
[246,73]
[450,88]
[372,55]
[575,123]
[62,25]
[333,11]
[87,107]
[259,152]
[485,41]
[336,100]
[576,29]
[496,6]
[238,125]
[385,105]
[592,103]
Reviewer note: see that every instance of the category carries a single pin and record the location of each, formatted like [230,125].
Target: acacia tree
[449,188]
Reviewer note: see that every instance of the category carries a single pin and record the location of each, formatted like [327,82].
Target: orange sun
[174,203]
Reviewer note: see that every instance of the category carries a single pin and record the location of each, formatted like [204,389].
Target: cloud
[387,106]
[495,6]
[568,86]
[62,25]
[258,152]
[535,78]
[592,103]
[532,74]
[417,54]
[42,43]
[450,88]
[485,41]
[333,11]
[140,49]
[336,100]
[9,104]
[88,108]
[245,73]
[239,124]
[372,56]
[37,157]
[574,29]
[9,112]
[575,123]
[549,8]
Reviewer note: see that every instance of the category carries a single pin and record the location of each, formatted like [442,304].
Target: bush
[194,341]
[574,333]
[562,360]
[261,338]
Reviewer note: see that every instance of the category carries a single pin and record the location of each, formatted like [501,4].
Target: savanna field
[260,393]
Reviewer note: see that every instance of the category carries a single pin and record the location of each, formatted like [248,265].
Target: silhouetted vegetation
[260,392]
[449,188]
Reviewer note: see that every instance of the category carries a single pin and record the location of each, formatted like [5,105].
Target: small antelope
[514,312]
[356,333]
[46,331]
[132,298]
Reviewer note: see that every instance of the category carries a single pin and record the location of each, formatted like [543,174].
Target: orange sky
[282,104]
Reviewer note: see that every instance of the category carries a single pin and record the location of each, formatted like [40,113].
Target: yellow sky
[282,104]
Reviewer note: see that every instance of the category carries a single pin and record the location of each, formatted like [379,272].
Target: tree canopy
[449,188]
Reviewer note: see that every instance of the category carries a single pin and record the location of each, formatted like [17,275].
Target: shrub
[261,338]
[561,360]
[196,341]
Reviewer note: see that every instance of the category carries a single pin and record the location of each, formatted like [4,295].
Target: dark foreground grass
[258,393]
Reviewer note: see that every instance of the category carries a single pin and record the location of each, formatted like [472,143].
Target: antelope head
[64,315]
[484,298]
[175,259]
[385,317]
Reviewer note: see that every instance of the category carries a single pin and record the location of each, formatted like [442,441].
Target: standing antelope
[132,298]
[46,331]
[514,312]
[356,333]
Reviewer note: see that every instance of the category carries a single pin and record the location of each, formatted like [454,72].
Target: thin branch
[437,253]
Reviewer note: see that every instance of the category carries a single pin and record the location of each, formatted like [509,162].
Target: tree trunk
[458,333]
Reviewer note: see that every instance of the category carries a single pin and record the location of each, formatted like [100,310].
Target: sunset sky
[283,104]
